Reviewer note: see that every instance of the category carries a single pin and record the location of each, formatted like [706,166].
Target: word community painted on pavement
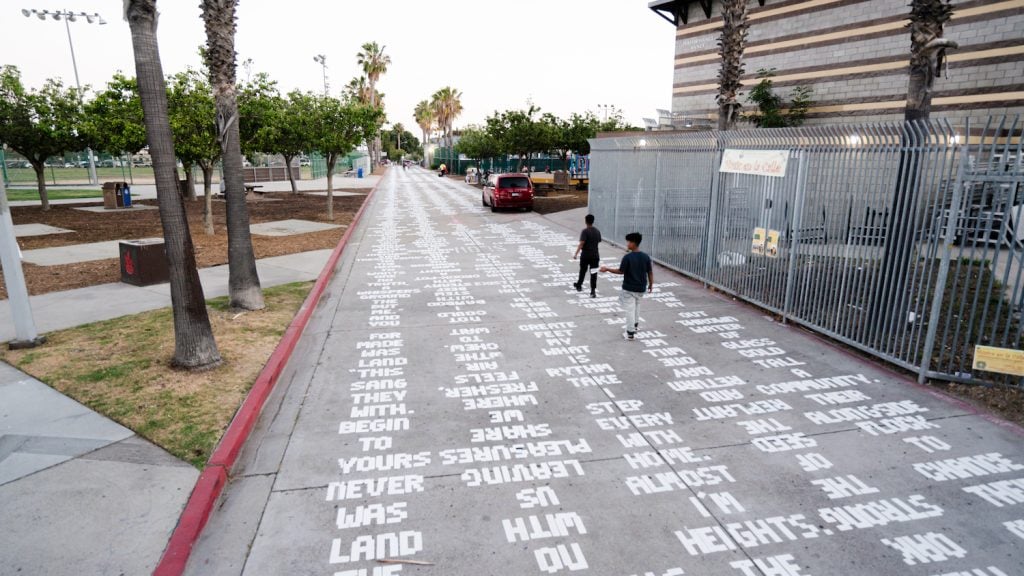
[524,415]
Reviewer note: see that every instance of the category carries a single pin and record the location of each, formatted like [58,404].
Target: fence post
[712,232]
[794,248]
[947,250]
[654,211]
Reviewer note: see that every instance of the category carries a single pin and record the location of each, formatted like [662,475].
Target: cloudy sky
[562,55]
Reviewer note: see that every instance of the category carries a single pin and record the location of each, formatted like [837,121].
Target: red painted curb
[214,476]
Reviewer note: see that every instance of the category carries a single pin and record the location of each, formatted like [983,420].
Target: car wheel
[493,207]
[483,200]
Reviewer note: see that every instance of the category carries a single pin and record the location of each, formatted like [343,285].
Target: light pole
[69,17]
[322,61]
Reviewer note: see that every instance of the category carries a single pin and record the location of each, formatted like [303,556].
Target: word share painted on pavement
[458,408]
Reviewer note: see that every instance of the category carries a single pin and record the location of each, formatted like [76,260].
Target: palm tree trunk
[194,346]
[243,281]
[44,196]
[731,45]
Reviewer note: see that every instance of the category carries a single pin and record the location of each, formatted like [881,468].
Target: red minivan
[508,191]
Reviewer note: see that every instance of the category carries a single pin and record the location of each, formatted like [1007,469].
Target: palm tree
[243,281]
[730,48]
[425,118]
[374,63]
[447,106]
[398,128]
[927,53]
[194,346]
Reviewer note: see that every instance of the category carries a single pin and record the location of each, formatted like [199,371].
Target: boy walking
[637,276]
[590,239]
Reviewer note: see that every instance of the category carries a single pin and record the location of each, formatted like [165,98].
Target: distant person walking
[590,240]
[637,275]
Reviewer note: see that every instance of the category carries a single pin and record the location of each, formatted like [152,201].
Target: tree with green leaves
[113,119]
[477,143]
[517,132]
[287,132]
[572,135]
[374,62]
[772,110]
[336,127]
[731,45]
[39,123]
[243,280]
[194,345]
[258,103]
[192,113]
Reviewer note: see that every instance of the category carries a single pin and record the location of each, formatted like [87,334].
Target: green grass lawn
[54,194]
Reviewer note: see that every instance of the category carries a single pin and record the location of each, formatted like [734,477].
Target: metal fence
[902,240]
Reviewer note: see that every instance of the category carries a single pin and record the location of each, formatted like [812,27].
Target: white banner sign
[755,162]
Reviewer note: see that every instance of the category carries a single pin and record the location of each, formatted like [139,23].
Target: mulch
[210,250]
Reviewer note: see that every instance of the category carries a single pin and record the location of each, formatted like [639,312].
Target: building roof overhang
[678,11]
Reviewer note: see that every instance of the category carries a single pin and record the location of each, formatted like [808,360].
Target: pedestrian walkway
[455,407]
[69,308]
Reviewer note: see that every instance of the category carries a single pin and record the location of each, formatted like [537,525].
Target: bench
[251,189]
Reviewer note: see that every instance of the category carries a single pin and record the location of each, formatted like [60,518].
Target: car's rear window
[514,182]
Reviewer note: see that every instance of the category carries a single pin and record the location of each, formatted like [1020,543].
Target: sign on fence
[755,162]
[1000,360]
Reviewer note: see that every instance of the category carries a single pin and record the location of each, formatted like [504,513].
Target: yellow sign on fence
[757,247]
[1001,360]
[771,247]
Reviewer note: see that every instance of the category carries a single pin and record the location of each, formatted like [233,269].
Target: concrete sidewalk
[455,402]
[59,310]
[80,494]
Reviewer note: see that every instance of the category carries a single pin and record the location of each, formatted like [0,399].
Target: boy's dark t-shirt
[635,267]
[591,238]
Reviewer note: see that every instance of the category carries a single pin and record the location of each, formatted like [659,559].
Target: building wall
[854,54]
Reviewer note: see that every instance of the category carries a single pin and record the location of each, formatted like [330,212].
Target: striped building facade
[854,54]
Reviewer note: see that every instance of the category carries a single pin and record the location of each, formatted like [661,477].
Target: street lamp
[68,17]
[322,61]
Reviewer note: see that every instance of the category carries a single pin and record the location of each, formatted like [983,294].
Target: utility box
[143,262]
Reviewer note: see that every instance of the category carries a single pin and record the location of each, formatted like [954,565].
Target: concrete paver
[290,227]
[24,230]
[455,401]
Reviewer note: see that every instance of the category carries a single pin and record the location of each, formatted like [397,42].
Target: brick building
[853,53]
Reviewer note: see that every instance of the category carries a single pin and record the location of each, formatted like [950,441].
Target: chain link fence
[901,240]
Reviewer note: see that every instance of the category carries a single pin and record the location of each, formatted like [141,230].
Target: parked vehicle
[508,191]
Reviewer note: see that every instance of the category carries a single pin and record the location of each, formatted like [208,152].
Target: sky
[564,56]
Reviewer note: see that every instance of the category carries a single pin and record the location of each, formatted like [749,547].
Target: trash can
[126,196]
[359,172]
[113,195]
[143,262]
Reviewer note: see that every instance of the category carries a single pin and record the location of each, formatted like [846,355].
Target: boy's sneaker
[636,327]
[629,336]
[578,287]
[593,294]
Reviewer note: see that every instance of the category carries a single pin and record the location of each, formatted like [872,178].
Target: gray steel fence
[902,240]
